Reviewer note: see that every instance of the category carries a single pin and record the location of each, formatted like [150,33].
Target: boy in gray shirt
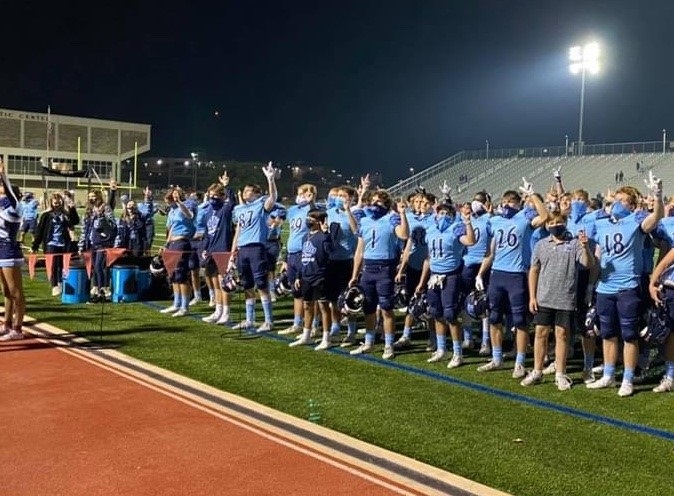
[552,294]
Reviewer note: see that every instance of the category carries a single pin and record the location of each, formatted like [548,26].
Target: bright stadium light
[583,60]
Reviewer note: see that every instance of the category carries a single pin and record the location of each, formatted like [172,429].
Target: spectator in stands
[29,214]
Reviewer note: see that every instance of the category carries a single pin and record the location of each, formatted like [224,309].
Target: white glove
[479,283]
[527,188]
[269,171]
[436,281]
[557,174]
[654,185]
[445,189]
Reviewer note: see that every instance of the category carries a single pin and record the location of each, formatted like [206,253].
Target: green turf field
[533,441]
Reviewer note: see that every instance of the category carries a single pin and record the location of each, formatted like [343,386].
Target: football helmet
[282,285]
[418,306]
[399,297]
[591,327]
[351,301]
[228,283]
[157,267]
[477,304]
[658,326]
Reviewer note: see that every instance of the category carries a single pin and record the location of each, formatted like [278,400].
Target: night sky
[359,86]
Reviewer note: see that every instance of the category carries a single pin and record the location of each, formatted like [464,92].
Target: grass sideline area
[485,427]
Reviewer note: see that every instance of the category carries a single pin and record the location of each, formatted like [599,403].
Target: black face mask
[91,201]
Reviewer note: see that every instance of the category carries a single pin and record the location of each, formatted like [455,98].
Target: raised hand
[269,171]
[365,182]
[224,179]
[557,174]
[445,189]
[527,188]
[654,185]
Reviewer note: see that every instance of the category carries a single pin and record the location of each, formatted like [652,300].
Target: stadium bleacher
[593,171]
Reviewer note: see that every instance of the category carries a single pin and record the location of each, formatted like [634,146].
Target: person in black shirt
[316,248]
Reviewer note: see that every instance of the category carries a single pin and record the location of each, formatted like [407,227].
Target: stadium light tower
[583,59]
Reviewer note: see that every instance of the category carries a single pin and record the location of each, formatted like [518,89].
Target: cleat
[244,326]
[519,371]
[363,348]
[56,290]
[604,382]
[626,389]
[456,361]
[348,340]
[224,320]
[550,369]
[467,344]
[211,303]
[665,385]
[171,309]
[93,291]
[437,356]
[194,301]
[533,377]
[323,345]
[266,327]
[599,369]
[489,366]
[431,346]
[301,341]
[388,353]
[12,335]
[563,382]
[212,318]
[402,343]
[316,332]
[485,349]
[180,313]
[588,376]
[293,329]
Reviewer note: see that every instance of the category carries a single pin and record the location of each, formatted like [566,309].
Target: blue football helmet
[591,328]
[477,305]
[418,306]
[282,286]
[157,267]
[228,283]
[400,297]
[351,301]
[658,326]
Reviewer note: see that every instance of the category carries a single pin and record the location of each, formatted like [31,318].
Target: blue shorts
[195,260]
[273,249]
[619,314]
[181,274]
[28,225]
[443,302]
[252,266]
[508,293]
[412,278]
[11,254]
[337,278]
[294,263]
[377,283]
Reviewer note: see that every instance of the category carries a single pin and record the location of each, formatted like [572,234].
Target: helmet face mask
[351,301]
[400,297]
[477,306]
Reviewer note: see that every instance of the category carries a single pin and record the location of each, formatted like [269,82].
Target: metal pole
[566,145]
[487,142]
[664,140]
[582,107]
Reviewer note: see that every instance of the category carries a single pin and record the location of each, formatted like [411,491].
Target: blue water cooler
[124,283]
[75,286]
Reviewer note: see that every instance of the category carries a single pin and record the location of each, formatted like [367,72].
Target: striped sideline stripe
[388,469]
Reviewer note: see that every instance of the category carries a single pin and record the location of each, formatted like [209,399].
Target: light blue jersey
[379,238]
[665,230]
[621,243]
[200,219]
[512,241]
[297,222]
[445,250]
[30,208]
[483,235]
[345,244]
[251,219]
[418,224]
[178,224]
